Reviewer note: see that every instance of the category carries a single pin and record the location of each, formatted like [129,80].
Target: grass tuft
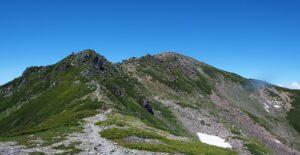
[166,145]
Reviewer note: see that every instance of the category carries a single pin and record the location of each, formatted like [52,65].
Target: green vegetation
[256,147]
[235,131]
[260,121]
[204,84]
[174,77]
[70,149]
[49,136]
[118,120]
[294,115]
[37,153]
[131,126]
[176,146]
[118,133]
[42,113]
[177,84]
[273,94]
[129,101]
[215,73]
[50,105]
[164,145]
[234,77]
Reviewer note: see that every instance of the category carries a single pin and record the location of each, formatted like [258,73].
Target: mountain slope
[187,97]
[255,108]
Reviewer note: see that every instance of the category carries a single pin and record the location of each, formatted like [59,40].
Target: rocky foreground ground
[89,141]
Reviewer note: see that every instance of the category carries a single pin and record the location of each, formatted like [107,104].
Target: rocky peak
[173,60]
[93,62]
[169,56]
[90,57]
[33,69]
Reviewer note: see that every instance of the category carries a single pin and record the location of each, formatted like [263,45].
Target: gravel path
[11,148]
[90,143]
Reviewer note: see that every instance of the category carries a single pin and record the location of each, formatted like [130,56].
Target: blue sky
[254,38]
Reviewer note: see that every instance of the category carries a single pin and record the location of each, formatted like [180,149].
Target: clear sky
[254,38]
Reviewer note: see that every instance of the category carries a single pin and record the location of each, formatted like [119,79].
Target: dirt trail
[91,143]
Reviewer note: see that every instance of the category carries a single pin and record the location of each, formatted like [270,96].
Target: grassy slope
[256,147]
[50,107]
[178,80]
[174,77]
[128,100]
[60,107]
[294,115]
[164,145]
[132,126]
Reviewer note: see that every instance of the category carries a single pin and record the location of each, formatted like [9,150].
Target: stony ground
[90,143]
[201,121]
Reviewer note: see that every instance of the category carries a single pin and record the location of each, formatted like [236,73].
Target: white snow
[266,107]
[213,140]
[277,141]
[277,106]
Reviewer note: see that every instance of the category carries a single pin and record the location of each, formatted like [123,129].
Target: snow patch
[213,140]
[277,106]
[266,107]
[277,141]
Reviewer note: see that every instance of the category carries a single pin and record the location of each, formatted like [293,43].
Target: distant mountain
[155,104]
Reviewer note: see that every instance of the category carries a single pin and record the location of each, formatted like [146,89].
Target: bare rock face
[62,67]
[148,107]
[6,90]
[93,62]
[90,57]
[35,69]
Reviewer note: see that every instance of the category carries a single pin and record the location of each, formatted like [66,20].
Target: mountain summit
[156,104]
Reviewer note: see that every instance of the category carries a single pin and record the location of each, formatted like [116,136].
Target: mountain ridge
[187,97]
[161,54]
